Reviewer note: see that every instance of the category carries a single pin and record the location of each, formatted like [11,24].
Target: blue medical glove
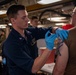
[63,34]
[49,39]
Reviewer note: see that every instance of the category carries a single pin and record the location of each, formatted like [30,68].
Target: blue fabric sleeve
[39,33]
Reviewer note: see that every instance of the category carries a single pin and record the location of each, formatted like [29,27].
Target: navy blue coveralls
[20,52]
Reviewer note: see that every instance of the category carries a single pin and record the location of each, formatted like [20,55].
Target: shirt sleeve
[39,33]
[18,56]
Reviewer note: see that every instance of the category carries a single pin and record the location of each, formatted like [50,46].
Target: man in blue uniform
[34,22]
[20,49]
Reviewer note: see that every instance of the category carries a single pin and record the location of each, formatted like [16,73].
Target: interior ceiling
[36,9]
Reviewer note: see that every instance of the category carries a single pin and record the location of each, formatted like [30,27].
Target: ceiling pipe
[3,2]
[51,10]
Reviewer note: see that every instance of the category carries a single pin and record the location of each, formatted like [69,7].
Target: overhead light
[3,25]
[56,18]
[40,26]
[60,21]
[60,24]
[29,22]
[47,1]
[10,24]
[2,12]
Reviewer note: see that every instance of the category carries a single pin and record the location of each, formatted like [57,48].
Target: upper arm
[61,61]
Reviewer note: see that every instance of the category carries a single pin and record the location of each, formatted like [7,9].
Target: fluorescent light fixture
[9,24]
[48,18]
[2,12]
[60,24]
[56,18]
[40,26]
[3,25]
[59,20]
[29,22]
[47,1]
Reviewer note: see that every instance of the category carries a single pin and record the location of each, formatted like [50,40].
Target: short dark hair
[13,10]
[34,17]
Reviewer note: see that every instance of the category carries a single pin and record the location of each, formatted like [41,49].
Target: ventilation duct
[3,2]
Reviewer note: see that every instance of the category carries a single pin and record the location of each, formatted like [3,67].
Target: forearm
[40,61]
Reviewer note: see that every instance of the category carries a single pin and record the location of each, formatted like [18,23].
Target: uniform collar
[17,34]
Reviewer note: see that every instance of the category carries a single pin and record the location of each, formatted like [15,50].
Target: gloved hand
[63,34]
[49,39]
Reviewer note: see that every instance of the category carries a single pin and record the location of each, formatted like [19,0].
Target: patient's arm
[61,61]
